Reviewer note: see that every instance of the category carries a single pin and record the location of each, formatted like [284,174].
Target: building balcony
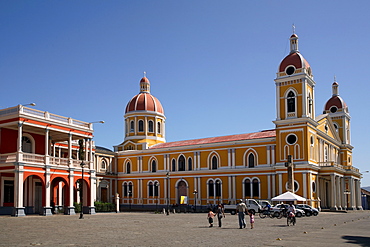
[37,159]
[334,164]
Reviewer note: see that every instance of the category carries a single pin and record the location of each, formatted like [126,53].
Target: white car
[280,207]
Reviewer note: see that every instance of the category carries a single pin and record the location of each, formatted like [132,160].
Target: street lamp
[82,191]
[156,194]
[218,191]
[168,192]
[195,200]
[30,104]
[129,198]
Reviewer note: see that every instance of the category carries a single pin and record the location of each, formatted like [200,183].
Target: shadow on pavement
[363,241]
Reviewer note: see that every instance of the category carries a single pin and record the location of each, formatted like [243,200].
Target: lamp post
[82,191]
[218,191]
[156,195]
[81,153]
[195,192]
[129,198]
[168,192]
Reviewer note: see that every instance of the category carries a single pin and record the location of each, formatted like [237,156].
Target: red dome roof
[144,102]
[337,101]
[144,79]
[295,59]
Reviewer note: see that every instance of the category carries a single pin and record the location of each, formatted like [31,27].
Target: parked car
[253,206]
[308,209]
[280,207]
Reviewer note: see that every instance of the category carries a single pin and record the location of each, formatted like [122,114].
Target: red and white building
[39,162]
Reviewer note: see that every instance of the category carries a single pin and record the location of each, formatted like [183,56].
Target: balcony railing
[44,115]
[333,164]
[28,158]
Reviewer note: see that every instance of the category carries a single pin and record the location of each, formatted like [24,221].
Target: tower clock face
[290,70]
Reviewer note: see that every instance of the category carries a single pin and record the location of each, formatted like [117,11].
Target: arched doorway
[181,191]
[59,195]
[34,198]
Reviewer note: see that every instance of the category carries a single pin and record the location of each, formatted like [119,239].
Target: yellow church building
[151,172]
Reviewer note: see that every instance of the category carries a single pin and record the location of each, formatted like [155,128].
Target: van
[253,206]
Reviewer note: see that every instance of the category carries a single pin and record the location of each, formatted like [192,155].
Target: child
[251,219]
[210,218]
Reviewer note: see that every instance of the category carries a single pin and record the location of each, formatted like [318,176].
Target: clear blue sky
[212,64]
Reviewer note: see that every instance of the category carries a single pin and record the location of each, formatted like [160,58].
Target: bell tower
[295,106]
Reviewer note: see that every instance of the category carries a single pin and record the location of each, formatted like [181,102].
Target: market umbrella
[288,196]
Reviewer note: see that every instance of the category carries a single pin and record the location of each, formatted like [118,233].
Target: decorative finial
[293,26]
[335,78]
[144,74]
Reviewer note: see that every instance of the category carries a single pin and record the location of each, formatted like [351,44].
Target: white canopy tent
[288,196]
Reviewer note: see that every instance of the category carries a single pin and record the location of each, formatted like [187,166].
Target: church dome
[144,101]
[335,103]
[294,60]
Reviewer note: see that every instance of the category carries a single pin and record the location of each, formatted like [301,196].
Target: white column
[309,187]
[199,191]
[339,193]
[19,142]
[18,192]
[234,189]
[344,201]
[352,194]
[273,194]
[358,195]
[304,182]
[280,181]
[71,192]
[268,154]
[47,146]
[333,202]
[69,151]
[47,208]
[269,186]
[228,158]
[272,154]
[233,158]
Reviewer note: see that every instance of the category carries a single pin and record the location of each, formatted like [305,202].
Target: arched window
[291,102]
[154,166]
[218,188]
[150,126]
[150,189]
[181,163]
[190,164]
[125,189]
[130,190]
[247,188]
[156,189]
[26,144]
[128,168]
[256,188]
[141,125]
[173,165]
[103,164]
[326,154]
[132,126]
[159,127]
[214,163]
[211,191]
[251,160]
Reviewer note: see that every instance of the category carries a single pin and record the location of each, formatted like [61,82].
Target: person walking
[251,219]
[210,218]
[220,214]
[241,208]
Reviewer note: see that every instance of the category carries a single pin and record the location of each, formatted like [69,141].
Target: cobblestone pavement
[149,229]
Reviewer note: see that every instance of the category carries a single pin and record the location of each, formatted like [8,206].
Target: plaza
[185,229]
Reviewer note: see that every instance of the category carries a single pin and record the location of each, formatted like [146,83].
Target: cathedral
[41,168]
[227,168]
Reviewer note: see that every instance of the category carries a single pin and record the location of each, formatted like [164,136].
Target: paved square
[149,229]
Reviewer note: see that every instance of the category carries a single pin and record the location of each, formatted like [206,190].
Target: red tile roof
[218,139]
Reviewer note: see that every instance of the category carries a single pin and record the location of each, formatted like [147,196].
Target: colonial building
[40,167]
[226,168]
[40,162]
